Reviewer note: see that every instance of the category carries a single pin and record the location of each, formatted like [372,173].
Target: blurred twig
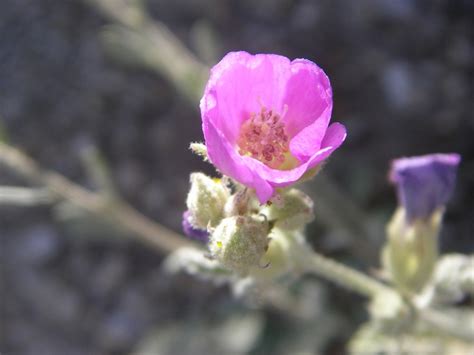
[23,196]
[97,168]
[151,44]
[118,212]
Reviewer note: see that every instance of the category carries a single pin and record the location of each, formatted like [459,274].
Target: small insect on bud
[293,211]
[239,242]
[239,203]
[206,200]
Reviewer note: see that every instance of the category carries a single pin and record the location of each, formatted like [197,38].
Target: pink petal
[335,136]
[309,139]
[240,84]
[308,97]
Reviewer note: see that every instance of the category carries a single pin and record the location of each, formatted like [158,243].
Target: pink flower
[265,119]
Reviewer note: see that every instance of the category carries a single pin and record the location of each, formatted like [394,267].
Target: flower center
[263,137]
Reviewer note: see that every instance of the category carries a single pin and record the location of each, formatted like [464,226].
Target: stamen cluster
[263,137]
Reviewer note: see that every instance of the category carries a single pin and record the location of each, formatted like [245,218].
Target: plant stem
[24,196]
[446,324]
[314,263]
[146,230]
[152,45]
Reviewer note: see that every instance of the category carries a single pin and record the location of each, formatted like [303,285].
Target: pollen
[263,137]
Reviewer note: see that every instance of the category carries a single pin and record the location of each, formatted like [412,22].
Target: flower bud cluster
[244,236]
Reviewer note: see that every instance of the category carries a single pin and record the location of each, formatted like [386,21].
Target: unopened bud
[424,183]
[194,233]
[278,259]
[206,200]
[293,210]
[239,242]
[412,250]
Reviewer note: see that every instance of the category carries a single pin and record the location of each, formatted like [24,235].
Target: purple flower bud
[192,232]
[424,183]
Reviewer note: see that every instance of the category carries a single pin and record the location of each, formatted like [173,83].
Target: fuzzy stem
[446,324]
[314,263]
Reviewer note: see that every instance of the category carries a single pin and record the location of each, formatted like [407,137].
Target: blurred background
[76,75]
